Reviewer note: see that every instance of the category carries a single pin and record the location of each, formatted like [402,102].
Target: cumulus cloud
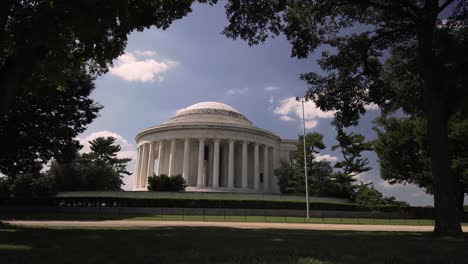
[128,150]
[311,123]
[271,88]
[141,66]
[291,108]
[237,91]
[386,185]
[371,107]
[326,157]
[363,177]
[286,118]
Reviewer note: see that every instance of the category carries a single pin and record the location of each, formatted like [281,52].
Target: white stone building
[215,148]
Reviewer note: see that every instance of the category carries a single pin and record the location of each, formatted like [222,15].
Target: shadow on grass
[223,245]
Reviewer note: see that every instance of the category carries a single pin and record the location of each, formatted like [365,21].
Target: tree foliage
[99,169]
[358,36]
[351,146]
[291,177]
[39,128]
[39,38]
[403,152]
[367,195]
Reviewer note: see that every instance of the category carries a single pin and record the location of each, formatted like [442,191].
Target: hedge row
[194,203]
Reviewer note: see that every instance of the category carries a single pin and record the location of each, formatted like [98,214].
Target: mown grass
[223,245]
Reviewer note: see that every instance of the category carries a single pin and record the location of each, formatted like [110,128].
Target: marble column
[161,158]
[231,165]
[172,158]
[144,169]
[266,173]
[256,168]
[150,171]
[273,165]
[201,157]
[186,164]
[216,164]
[244,165]
[138,167]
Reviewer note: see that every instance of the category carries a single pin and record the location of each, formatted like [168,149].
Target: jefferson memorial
[215,148]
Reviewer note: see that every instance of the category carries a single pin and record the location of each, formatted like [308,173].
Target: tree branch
[445,5]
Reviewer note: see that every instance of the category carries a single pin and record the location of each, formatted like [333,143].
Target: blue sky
[163,71]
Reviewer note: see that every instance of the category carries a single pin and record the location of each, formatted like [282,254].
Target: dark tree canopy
[358,37]
[39,128]
[99,169]
[351,146]
[105,150]
[41,37]
[403,152]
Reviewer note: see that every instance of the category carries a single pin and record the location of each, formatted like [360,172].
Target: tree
[291,175]
[104,149]
[361,34]
[351,146]
[314,143]
[103,170]
[367,195]
[403,152]
[38,128]
[320,173]
[287,180]
[42,37]
[99,169]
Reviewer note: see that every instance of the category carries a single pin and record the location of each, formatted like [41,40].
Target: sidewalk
[130,223]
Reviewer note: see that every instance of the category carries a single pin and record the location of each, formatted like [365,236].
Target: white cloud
[145,53]
[311,123]
[237,91]
[371,107]
[386,185]
[128,150]
[326,157]
[271,100]
[363,177]
[141,66]
[271,88]
[290,107]
[286,118]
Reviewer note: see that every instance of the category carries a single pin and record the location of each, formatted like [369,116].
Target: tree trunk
[461,202]
[437,114]
[445,191]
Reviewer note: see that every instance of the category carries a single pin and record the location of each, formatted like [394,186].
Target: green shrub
[164,183]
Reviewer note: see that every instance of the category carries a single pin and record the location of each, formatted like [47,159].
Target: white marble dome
[208,105]
[209,112]
[215,148]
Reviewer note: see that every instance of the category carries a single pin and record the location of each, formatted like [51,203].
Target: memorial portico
[214,148]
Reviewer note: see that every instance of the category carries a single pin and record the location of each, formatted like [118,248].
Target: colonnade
[147,155]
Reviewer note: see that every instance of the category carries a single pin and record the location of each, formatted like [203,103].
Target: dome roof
[209,105]
[209,112]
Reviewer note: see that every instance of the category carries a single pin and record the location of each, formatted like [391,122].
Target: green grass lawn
[223,245]
[219,218]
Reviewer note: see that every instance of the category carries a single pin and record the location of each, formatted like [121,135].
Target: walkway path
[130,223]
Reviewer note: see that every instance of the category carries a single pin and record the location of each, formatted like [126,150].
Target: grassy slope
[223,245]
